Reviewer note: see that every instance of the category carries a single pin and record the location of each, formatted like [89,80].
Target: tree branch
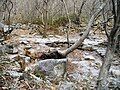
[79,42]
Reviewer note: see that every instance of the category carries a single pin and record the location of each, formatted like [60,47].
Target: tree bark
[80,10]
[111,50]
[102,83]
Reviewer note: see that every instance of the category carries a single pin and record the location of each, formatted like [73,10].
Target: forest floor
[24,70]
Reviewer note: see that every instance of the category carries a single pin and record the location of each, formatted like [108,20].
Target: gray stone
[59,69]
[28,47]
[18,25]
[15,74]
[1,39]
[115,72]
[24,41]
[10,49]
[67,86]
[53,67]
[101,51]
[88,56]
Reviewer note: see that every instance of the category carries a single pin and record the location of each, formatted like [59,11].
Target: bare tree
[80,11]
[45,13]
[67,13]
[113,49]
[7,6]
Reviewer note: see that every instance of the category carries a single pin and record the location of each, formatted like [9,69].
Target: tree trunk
[112,49]
[46,15]
[102,79]
[80,10]
[67,13]
[110,55]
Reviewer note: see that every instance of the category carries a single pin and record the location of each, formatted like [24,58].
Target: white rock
[15,50]
[15,74]
[115,72]
[88,57]
[101,51]
[67,86]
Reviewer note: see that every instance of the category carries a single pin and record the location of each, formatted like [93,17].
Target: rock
[90,57]
[116,63]
[114,83]
[12,56]
[7,29]
[53,67]
[15,74]
[87,56]
[59,69]
[24,27]
[115,73]
[18,25]
[83,25]
[27,59]
[28,47]
[101,51]
[50,35]
[8,49]
[24,41]
[2,82]
[92,42]
[67,86]
[1,39]
[88,47]
[81,33]
[11,49]
[1,25]
[15,50]
[75,76]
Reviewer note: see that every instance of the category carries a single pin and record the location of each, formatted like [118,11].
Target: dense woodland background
[35,11]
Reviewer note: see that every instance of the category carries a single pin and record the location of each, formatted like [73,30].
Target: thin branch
[67,13]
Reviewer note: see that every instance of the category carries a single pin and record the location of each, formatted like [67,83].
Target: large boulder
[53,67]
[50,68]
